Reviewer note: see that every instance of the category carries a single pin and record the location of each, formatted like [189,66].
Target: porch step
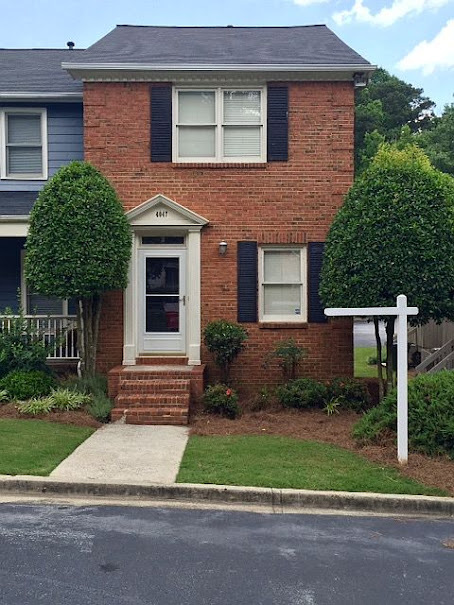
[153,394]
[156,385]
[161,361]
[161,400]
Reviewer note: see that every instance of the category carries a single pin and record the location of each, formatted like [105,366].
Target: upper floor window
[219,125]
[23,136]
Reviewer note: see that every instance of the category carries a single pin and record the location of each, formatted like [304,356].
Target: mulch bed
[315,425]
[76,417]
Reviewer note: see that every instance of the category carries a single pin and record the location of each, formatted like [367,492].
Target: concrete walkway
[125,453]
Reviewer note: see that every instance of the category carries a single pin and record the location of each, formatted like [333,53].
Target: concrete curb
[279,499]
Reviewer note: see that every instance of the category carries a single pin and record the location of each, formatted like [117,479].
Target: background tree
[438,143]
[78,246]
[393,235]
[386,105]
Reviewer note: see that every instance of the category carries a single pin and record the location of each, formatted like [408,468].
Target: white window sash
[4,113]
[302,283]
[219,127]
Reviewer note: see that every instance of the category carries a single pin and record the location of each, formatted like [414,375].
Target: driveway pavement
[125,453]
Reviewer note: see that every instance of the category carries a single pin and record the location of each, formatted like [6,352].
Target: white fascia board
[40,96]
[75,67]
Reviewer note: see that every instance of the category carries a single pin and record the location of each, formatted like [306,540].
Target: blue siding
[64,141]
[10,275]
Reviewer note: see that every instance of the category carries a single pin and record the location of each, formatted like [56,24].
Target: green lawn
[36,447]
[281,462]
[362,369]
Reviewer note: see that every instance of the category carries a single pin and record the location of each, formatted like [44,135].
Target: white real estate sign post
[402,312]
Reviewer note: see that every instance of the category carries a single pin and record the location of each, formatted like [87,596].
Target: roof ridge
[223,26]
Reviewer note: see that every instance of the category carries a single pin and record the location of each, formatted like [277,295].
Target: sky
[413,39]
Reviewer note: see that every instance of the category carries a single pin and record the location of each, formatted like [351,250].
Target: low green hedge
[303,393]
[23,384]
[430,415]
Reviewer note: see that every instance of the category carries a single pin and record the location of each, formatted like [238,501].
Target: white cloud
[387,15]
[427,56]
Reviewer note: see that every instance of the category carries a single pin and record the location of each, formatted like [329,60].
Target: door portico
[162,300]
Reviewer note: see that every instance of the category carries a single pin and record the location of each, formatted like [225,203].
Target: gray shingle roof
[305,45]
[36,71]
[17,203]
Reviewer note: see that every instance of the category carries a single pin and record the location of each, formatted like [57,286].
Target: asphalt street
[65,555]
[364,333]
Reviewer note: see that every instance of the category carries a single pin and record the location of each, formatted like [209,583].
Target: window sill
[220,165]
[283,325]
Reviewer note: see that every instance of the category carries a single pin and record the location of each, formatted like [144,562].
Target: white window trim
[3,168]
[219,142]
[302,318]
[24,291]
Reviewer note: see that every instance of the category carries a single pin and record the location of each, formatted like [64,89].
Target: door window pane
[282,300]
[282,266]
[162,314]
[162,275]
[196,107]
[196,141]
[242,107]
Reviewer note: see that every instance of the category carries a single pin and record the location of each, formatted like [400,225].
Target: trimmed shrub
[222,400]
[303,393]
[21,344]
[24,385]
[350,393]
[225,340]
[430,415]
[100,408]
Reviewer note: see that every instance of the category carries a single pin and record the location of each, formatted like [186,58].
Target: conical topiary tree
[393,235]
[79,246]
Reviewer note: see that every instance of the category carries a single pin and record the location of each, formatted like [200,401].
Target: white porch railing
[57,332]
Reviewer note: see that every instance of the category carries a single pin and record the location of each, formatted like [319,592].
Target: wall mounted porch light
[222,248]
[360,79]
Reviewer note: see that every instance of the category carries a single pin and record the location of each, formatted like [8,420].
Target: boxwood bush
[222,400]
[430,415]
[303,393]
[22,384]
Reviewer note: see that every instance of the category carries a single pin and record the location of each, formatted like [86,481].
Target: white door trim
[163,343]
[131,342]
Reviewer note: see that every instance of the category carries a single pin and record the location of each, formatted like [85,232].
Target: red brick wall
[281,202]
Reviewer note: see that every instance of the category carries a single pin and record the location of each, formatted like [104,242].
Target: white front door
[162,302]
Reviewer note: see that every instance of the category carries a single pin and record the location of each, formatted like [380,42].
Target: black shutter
[161,123]
[247,281]
[277,124]
[316,313]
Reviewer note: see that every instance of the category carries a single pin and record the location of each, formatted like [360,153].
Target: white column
[130,330]
[402,380]
[193,297]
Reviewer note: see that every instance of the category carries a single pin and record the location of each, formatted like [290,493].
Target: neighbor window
[219,125]
[283,287]
[24,145]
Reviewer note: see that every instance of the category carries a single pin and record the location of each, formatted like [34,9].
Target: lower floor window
[283,284]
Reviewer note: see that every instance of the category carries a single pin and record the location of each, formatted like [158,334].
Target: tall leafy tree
[393,235]
[386,105]
[79,246]
[438,143]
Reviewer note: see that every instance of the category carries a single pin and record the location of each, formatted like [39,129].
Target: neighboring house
[41,129]
[232,149]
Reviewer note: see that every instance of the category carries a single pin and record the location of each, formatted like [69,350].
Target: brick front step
[155,386]
[152,399]
[159,361]
[154,394]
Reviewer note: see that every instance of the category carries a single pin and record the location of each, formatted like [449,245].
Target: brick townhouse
[231,149]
